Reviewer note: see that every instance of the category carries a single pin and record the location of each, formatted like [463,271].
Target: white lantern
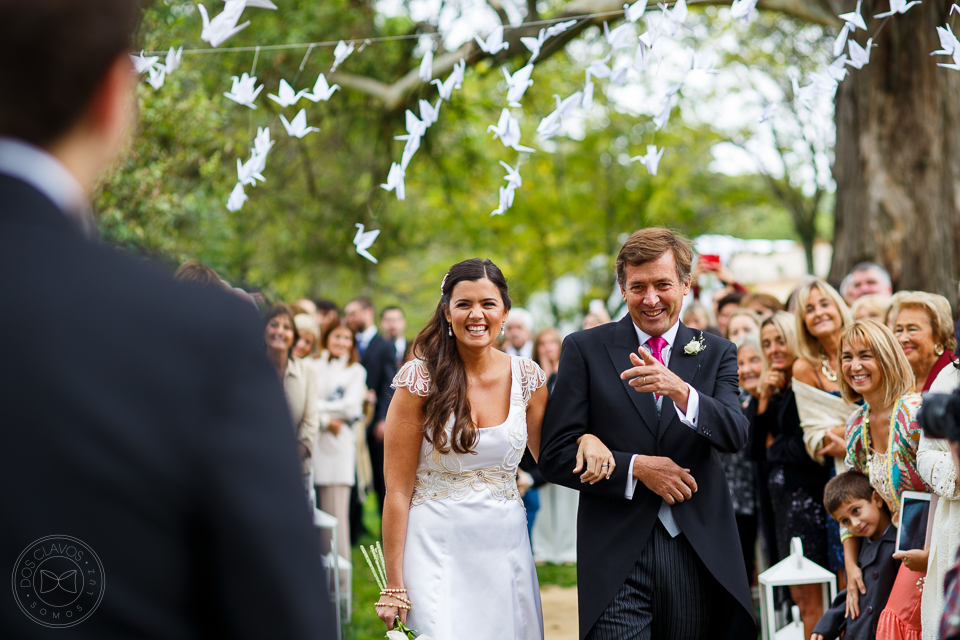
[794,569]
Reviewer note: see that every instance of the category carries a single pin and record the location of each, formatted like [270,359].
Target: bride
[458,559]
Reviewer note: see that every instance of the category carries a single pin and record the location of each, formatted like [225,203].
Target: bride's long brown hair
[448,377]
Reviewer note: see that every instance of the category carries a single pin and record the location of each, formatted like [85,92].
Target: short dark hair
[326,305]
[54,55]
[846,487]
[391,308]
[647,245]
[734,297]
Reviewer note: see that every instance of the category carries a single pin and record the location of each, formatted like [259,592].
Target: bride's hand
[591,458]
[389,612]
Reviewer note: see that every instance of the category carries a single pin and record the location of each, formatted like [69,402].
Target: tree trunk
[897,164]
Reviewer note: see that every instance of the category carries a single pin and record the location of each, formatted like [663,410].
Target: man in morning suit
[142,424]
[379,357]
[657,546]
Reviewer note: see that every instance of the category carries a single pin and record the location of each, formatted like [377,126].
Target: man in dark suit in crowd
[393,324]
[657,543]
[379,357]
[151,487]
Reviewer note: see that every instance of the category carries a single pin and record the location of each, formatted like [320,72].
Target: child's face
[864,518]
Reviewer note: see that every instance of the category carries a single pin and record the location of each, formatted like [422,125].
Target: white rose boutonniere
[695,346]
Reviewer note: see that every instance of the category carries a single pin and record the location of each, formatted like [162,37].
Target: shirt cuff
[631,481]
[693,409]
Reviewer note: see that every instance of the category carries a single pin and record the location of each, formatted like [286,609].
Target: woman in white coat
[341,387]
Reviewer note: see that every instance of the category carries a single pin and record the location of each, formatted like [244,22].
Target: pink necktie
[656,344]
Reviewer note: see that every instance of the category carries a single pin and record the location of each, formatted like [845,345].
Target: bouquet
[378,567]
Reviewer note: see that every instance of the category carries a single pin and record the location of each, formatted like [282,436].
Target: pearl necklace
[825,368]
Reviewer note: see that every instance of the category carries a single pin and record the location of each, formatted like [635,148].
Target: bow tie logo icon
[50,581]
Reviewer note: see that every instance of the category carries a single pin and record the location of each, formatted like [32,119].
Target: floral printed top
[897,470]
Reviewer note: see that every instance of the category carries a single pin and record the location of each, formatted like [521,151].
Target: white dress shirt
[47,175]
[365,336]
[689,418]
[526,351]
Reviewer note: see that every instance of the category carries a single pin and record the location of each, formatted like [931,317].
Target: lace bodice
[493,464]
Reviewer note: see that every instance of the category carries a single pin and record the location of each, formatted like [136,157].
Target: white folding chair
[323,520]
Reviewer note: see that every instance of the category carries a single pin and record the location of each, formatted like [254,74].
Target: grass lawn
[364,623]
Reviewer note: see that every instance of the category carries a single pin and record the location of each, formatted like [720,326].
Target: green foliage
[294,234]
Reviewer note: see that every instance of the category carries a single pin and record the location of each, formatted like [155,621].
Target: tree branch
[395,96]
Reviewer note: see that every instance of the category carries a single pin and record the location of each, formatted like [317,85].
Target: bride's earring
[502,330]
[450,330]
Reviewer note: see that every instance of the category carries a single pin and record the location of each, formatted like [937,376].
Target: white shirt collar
[367,334]
[47,175]
[670,336]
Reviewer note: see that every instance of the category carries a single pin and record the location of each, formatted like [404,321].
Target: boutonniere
[695,346]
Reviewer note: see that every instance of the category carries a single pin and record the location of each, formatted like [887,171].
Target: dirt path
[559,612]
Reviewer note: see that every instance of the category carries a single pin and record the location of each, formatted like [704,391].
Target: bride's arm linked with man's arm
[573,455]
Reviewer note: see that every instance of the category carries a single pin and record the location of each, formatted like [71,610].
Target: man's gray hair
[872,266]
[523,316]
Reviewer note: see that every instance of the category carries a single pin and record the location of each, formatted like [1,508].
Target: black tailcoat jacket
[142,418]
[590,397]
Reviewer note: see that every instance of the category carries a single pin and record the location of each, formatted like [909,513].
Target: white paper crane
[633,12]
[364,240]
[236,199]
[517,84]
[341,53]
[897,6]
[769,110]
[429,113]
[950,46]
[217,30]
[157,74]
[172,62]
[321,90]
[651,160]
[287,96]
[395,181]
[297,128]
[742,9]
[426,67]
[506,201]
[513,175]
[452,82]
[534,44]
[550,125]
[559,28]
[854,19]
[673,18]
[508,130]
[243,91]
[143,64]
[859,56]
[250,171]
[262,143]
[494,42]
[841,40]
[619,38]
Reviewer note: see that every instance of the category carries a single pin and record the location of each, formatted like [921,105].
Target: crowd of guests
[832,383]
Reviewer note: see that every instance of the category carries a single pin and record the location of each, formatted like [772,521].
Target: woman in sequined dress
[881,441]
[795,480]
[458,558]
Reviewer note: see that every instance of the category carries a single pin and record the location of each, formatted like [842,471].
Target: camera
[940,415]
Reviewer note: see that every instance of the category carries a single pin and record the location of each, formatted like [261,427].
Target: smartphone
[914,511]
[709,262]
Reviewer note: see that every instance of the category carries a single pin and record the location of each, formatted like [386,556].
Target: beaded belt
[438,485]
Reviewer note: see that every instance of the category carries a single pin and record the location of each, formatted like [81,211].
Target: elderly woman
[794,479]
[309,332]
[341,388]
[299,385]
[881,439]
[923,325]
[935,463]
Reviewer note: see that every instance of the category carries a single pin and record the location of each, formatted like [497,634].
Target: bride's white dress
[467,564]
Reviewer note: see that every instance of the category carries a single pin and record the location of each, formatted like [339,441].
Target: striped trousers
[668,595]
